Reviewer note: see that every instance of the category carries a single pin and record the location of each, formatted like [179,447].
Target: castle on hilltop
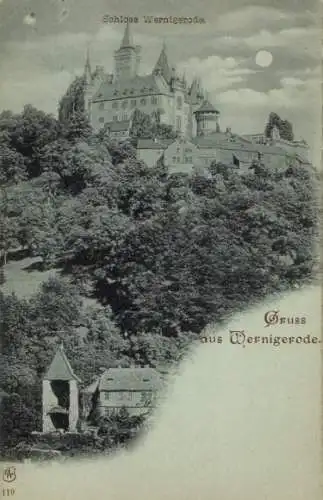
[166,96]
[112,98]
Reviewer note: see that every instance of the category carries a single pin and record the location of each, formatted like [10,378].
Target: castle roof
[163,66]
[139,86]
[225,141]
[60,368]
[127,38]
[195,90]
[130,379]
[87,67]
[222,141]
[207,107]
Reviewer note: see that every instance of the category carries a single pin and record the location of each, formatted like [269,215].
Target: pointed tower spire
[87,67]
[127,38]
[127,57]
[162,64]
[60,368]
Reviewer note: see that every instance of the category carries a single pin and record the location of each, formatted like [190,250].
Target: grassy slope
[22,278]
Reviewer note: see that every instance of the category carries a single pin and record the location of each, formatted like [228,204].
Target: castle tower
[87,69]
[195,98]
[162,67]
[60,395]
[127,57]
[88,90]
[207,119]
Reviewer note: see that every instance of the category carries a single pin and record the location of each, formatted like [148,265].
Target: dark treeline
[163,254]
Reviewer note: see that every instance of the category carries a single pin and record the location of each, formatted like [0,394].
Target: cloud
[246,110]
[299,41]
[289,80]
[21,90]
[293,93]
[38,71]
[216,72]
[251,16]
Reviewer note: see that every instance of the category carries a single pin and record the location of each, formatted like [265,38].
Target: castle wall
[74,406]
[180,111]
[181,156]
[122,109]
[293,147]
[49,401]
[126,63]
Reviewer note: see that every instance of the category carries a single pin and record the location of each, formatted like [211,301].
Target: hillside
[163,255]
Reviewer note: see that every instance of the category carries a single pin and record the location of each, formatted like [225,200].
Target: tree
[17,420]
[72,113]
[26,133]
[150,127]
[284,126]
[141,126]
[119,428]
[12,165]
[73,101]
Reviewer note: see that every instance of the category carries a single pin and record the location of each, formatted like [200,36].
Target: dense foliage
[149,127]
[164,255]
[284,127]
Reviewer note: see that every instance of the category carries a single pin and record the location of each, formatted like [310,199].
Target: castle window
[133,103]
[188,159]
[124,104]
[115,118]
[179,102]
[101,119]
[178,122]
[101,105]
[115,104]
[107,396]
[143,101]
[174,159]
[125,116]
[154,100]
[178,160]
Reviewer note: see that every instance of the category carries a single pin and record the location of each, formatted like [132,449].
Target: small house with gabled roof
[134,388]
[60,395]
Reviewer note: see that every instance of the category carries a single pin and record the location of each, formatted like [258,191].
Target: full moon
[264,58]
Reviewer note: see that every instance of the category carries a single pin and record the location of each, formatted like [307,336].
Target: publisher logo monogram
[9,474]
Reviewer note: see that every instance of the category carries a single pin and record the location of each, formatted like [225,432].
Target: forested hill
[165,255]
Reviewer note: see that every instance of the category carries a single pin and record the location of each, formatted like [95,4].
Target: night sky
[43,45]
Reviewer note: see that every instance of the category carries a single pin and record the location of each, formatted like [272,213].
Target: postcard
[160,286]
